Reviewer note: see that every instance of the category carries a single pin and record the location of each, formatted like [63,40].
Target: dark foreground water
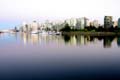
[42,57]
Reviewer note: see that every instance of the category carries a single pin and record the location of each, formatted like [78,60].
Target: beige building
[115,23]
[34,26]
[108,22]
[96,23]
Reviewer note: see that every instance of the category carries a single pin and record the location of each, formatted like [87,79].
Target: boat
[58,33]
[43,33]
[54,33]
[51,32]
[34,32]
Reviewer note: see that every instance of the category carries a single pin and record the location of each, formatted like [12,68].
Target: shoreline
[92,33]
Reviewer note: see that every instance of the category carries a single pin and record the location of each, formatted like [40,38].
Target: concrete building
[78,24]
[48,24]
[108,23]
[115,24]
[87,22]
[96,23]
[119,23]
[25,27]
[91,24]
[72,22]
[34,26]
[58,25]
[81,23]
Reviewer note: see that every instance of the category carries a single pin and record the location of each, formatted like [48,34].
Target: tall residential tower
[108,23]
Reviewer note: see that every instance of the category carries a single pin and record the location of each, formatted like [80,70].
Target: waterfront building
[71,22]
[96,23]
[25,27]
[48,24]
[78,24]
[34,26]
[58,25]
[119,23]
[115,24]
[108,23]
[87,22]
[91,24]
[81,23]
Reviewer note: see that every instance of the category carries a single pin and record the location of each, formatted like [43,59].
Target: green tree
[66,28]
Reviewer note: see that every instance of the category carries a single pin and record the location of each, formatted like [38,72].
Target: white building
[81,23]
[72,22]
[119,23]
[34,26]
[78,24]
[84,21]
[96,23]
[25,27]
[115,23]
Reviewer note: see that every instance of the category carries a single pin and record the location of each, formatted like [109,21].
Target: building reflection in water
[118,41]
[108,41]
[72,40]
[30,38]
[25,37]
[40,39]
[80,40]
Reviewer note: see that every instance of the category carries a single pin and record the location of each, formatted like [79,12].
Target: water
[43,57]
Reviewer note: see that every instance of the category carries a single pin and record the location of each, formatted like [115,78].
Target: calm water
[42,57]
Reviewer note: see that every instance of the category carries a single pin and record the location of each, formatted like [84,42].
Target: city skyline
[14,12]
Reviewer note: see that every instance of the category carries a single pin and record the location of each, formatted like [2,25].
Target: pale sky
[14,12]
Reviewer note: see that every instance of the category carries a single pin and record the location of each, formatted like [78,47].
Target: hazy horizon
[14,12]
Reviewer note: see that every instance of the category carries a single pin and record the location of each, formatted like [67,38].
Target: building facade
[108,23]
[81,23]
[96,23]
[34,26]
[71,22]
[119,23]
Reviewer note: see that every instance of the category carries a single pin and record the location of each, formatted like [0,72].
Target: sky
[14,12]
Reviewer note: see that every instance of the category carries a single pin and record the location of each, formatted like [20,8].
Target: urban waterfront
[59,57]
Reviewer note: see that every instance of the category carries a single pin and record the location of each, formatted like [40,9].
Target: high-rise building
[34,25]
[78,24]
[108,23]
[96,23]
[72,22]
[119,23]
[25,27]
[115,24]
[81,23]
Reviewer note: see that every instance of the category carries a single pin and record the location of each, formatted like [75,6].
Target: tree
[66,28]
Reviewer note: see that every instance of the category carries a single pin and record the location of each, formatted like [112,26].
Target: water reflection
[40,39]
[108,41]
[118,41]
[28,38]
[71,40]
[80,40]
[78,56]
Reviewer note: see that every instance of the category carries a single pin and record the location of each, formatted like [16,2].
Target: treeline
[67,28]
